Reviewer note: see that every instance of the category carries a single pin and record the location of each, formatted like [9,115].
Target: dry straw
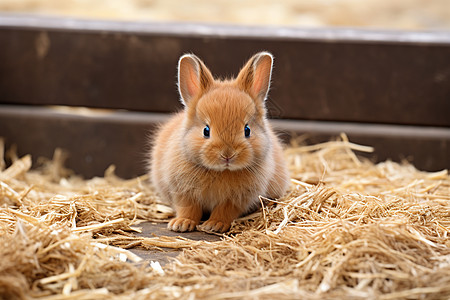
[348,229]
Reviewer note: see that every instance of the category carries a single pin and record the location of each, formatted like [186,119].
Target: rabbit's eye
[247,131]
[206,132]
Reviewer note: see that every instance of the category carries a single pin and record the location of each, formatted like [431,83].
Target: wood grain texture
[324,75]
[122,138]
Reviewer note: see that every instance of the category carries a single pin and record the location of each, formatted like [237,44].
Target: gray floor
[160,229]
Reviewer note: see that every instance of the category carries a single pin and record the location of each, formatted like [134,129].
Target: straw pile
[348,229]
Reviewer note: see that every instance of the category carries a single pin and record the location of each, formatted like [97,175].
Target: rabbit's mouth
[228,160]
[227,164]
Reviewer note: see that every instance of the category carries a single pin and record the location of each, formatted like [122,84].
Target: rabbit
[220,153]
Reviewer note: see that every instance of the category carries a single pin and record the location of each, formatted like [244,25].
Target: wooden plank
[324,75]
[94,141]
[98,139]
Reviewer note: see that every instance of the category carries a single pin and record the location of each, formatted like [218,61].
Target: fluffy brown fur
[223,173]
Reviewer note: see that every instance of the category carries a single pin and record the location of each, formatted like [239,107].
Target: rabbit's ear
[254,77]
[194,78]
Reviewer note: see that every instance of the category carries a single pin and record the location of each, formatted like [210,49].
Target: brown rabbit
[220,153]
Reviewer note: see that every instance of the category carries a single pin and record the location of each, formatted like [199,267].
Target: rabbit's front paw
[182,224]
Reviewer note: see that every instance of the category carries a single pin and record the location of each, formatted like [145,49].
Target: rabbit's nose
[227,157]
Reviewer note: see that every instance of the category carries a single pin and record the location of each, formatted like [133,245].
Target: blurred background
[375,14]
[388,89]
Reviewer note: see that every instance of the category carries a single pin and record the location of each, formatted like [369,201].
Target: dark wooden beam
[96,139]
[343,75]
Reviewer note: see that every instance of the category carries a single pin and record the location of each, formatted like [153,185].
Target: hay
[348,229]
